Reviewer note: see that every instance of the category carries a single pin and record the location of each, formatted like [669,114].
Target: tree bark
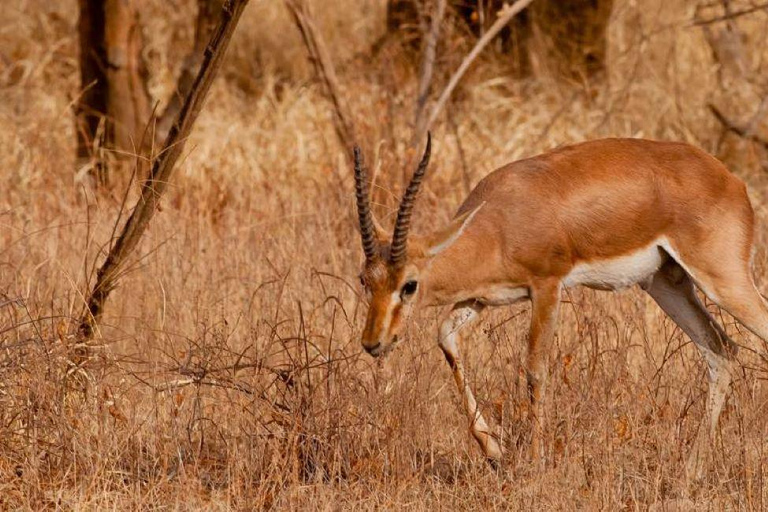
[207,17]
[160,175]
[113,109]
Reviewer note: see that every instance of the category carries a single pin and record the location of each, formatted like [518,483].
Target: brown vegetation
[228,372]
[562,37]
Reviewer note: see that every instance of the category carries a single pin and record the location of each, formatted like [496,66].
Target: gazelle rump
[606,214]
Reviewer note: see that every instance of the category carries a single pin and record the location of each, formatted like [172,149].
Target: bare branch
[207,11]
[162,170]
[505,16]
[326,73]
[741,131]
[427,71]
[732,15]
[760,114]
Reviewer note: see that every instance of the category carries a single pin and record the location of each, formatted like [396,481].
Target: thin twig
[760,114]
[326,72]
[554,118]
[731,15]
[505,17]
[427,71]
[466,179]
[741,131]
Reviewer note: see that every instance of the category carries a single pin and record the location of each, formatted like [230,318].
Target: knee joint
[447,342]
[533,378]
[450,357]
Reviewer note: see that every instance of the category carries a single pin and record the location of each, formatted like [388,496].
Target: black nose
[372,350]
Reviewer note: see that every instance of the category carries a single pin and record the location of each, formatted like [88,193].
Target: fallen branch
[741,131]
[503,20]
[162,169]
[326,73]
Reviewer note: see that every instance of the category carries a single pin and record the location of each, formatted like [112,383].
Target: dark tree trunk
[403,20]
[576,30]
[113,109]
[479,15]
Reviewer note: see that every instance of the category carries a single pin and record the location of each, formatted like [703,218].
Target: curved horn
[403,223]
[364,207]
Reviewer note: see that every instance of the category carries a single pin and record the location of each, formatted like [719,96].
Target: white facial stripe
[394,300]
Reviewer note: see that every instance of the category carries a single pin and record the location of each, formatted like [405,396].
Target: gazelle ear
[437,242]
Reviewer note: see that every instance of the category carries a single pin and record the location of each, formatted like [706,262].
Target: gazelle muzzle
[383,263]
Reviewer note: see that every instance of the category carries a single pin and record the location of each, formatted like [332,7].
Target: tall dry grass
[228,373]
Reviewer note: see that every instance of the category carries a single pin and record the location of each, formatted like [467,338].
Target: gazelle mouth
[381,350]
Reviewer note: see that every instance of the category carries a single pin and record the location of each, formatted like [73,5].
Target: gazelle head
[397,266]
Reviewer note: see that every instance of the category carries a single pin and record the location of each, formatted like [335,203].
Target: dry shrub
[229,374]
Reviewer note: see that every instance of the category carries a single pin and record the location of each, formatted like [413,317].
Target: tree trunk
[514,38]
[159,177]
[207,17]
[113,110]
[403,20]
[574,29]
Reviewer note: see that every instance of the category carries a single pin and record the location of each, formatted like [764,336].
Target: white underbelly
[617,273]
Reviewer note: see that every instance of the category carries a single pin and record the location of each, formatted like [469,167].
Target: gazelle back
[606,214]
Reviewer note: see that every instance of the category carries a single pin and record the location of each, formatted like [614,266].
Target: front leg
[463,315]
[545,301]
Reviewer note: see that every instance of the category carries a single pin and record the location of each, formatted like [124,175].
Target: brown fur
[526,226]
[592,201]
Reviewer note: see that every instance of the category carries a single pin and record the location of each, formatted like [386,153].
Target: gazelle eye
[409,288]
[362,281]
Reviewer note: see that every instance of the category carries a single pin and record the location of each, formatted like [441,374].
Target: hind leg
[673,291]
[738,295]
[720,267]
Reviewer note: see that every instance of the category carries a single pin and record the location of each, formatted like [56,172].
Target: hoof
[492,449]
[494,464]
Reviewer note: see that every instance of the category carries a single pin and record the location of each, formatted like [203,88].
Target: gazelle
[606,214]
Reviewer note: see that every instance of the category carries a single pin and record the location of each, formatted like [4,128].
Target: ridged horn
[403,223]
[364,207]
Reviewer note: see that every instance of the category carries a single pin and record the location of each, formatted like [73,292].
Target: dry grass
[229,374]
